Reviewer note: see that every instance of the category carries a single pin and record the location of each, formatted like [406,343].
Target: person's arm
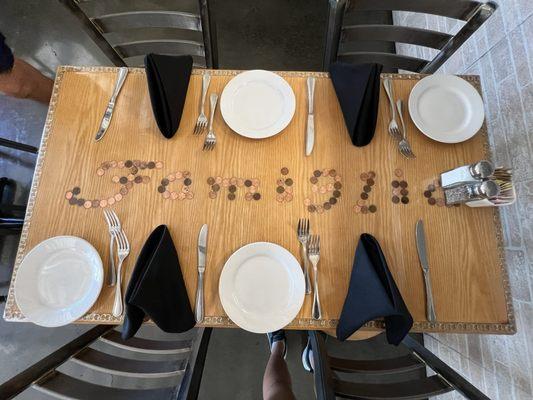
[20,79]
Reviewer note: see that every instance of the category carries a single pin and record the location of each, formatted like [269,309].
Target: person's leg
[277,380]
[24,81]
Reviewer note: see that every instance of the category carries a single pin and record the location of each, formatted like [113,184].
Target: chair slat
[388,60]
[458,9]
[410,390]
[138,35]
[138,61]
[95,8]
[388,366]
[153,19]
[395,33]
[175,47]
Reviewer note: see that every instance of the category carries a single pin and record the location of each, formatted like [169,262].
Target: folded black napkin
[357,88]
[156,288]
[168,80]
[373,294]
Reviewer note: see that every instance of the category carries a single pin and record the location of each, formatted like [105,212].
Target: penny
[364,209]
[370,182]
[404,192]
[232,188]
[332,200]
[289,197]
[129,185]
[371,174]
[128,164]
[360,202]
[322,189]
[279,198]
[115,179]
[247,183]
[146,179]
[332,173]
[161,189]
[288,182]
[171,177]
[440,202]
[396,191]
[307,201]
[212,195]
[367,189]
[240,182]
[142,165]
[210,181]
[405,200]
[325,172]
[280,189]
[131,177]
[395,184]
[113,164]
[327,206]
[218,180]
[403,184]
[95,203]
[231,196]
[134,170]
[288,189]
[164,182]
[68,195]
[173,195]
[186,174]
[138,179]
[105,165]
[255,182]
[187,181]
[252,189]
[76,190]
[123,191]
[313,180]
[182,196]
[257,196]
[372,208]
[150,165]
[103,203]
[225,182]
[179,175]
[280,182]
[363,176]
[320,209]
[166,194]
[337,185]
[311,208]
[87,204]
[432,201]
[118,197]
[427,194]
[317,173]
[395,199]
[398,172]
[81,202]
[357,209]
[248,196]
[189,195]
[111,201]
[136,162]
[431,188]
[338,178]
[73,201]
[100,172]
[233,181]
[159,164]
[123,180]
[336,193]
[284,171]
[364,195]
[185,189]
[314,188]
[120,164]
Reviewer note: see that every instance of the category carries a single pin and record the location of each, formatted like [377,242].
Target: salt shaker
[467,174]
[471,192]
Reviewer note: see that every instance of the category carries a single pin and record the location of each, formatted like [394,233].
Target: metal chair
[128,30]
[352,42]
[388,375]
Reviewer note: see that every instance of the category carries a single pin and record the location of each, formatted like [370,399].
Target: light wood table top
[469,277]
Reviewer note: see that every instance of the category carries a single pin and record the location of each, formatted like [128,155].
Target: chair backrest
[388,375]
[128,30]
[345,38]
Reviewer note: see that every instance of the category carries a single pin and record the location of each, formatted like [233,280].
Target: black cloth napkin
[357,88]
[156,288]
[373,294]
[168,80]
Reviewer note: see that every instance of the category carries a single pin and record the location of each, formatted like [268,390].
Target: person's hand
[24,81]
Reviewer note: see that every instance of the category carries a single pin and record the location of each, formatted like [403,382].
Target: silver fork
[303,238]
[123,250]
[210,139]
[314,256]
[404,146]
[201,123]
[394,130]
[112,275]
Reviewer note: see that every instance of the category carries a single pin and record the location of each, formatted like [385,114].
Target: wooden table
[469,276]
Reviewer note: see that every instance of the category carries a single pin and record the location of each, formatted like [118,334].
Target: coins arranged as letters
[232,185]
[331,188]
[284,190]
[183,192]
[400,191]
[430,194]
[368,179]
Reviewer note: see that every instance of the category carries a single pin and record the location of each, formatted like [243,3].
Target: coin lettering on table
[364,204]
[327,182]
[399,188]
[233,185]
[284,187]
[177,186]
[131,172]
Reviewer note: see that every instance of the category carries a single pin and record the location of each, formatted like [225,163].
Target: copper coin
[280,182]
[256,196]
[173,195]
[367,189]
[105,165]
[364,209]
[138,179]
[280,189]
[134,170]
[247,183]
[279,198]
[357,209]
[232,188]
[289,197]
[396,191]
[182,196]
[131,177]
[370,182]
[314,188]
[212,195]
[332,173]
[81,202]
[248,196]
[100,172]
[128,164]
[403,184]
[123,191]
[129,185]
[371,174]
[436,183]
[317,173]
[319,209]
[405,200]
[179,175]
[166,194]
[186,174]
[120,164]
[215,187]
[325,172]
[360,202]
[68,195]
[440,202]
[398,172]
[323,189]
[189,195]
[164,182]
[427,194]
[115,179]
[252,189]
[218,180]
[332,200]
[231,196]
[284,171]
[240,182]
[364,195]
[256,182]
[161,189]
[159,164]
[76,190]
[432,201]
[336,193]
[150,165]
[73,201]
[311,208]
[313,180]
[395,184]
[95,203]
[111,201]
[136,162]
[404,192]
[118,197]
[171,177]
[431,188]
[225,182]
[103,203]
[372,208]
[87,204]
[363,176]
[338,178]
[146,179]
[113,164]
[210,181]
[123,180]
[337,185]
[395,199]
[185,189]
[307,201]
[187,181]
[288,182]
[327,206]
[288,189]
[142,165]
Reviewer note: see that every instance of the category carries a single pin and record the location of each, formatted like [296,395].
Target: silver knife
[108,114]
[422,255]
[202,253]
[310,133]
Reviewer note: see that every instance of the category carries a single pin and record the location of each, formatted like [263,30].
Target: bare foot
[26,82]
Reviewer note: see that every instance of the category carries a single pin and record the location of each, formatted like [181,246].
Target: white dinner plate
[58,281]
[446,108]
[257,104]
[262,287]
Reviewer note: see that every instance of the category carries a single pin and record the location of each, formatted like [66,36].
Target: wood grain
[464,245]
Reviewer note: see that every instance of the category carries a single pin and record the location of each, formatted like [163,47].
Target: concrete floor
[269,34]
